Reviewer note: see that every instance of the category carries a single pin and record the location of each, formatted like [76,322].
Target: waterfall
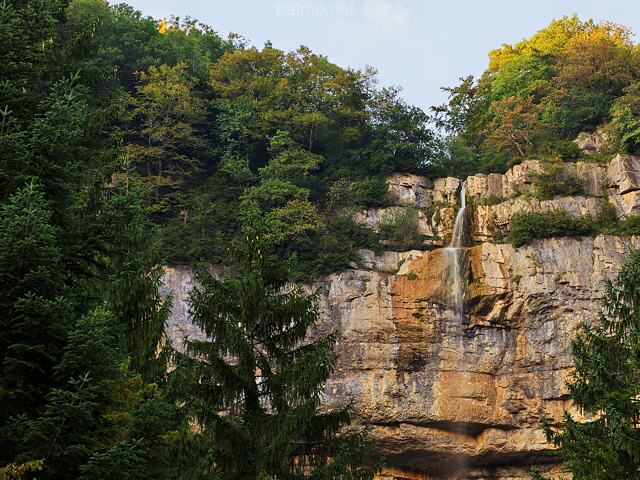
[456,255]
[454,251]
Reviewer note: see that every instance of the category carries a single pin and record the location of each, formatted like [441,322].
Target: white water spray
[454,250]
[456,254]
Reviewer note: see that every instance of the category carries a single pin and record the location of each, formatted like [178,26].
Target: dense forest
[127,142]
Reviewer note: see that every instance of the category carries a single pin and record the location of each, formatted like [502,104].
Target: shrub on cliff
[399,228]
[555,180]
[525,226]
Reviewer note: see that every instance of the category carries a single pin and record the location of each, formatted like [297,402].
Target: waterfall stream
[456,254]
[454,251]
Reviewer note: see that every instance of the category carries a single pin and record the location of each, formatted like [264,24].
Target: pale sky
[418,45]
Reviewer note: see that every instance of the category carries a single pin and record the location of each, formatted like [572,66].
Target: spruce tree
[131,288]
[605,386]
[250,392]
[101,421]
[33,311]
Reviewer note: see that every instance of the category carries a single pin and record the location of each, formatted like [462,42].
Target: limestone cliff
[450,397]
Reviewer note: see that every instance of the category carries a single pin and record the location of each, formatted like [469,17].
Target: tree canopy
[539,94]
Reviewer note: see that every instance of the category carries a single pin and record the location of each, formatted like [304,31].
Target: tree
[131,287]
[625,122]
[165,111]
[605,386]
[262,91]
[515,123]
[455,159]
[250,392]
[599,62]
[34,312]
[282,178]
[192,43]
[29,35]
[128,42]
[400,138]
[100,420]
[63,366]
[538,94]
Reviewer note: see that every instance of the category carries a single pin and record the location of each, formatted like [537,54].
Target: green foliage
[131,287]
[400,138]
[554,180]
[34,311]
[62,358]
[514,125]
[28,39]
[331,250]
[625,121]
[162,135]
[282,179]
[399,229]
[455,159]
[526,226]
[491,200]
[537,95]
[631,225]
[194,235]
[98,409]
[217,128]
[368,192]
[607,218]
[553,149]
[270,391]
[604,386]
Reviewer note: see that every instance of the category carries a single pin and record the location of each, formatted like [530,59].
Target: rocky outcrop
[494,198]
[407,189]
[623,177]
[591,143]
[491,222]
[462,396]
[444,393]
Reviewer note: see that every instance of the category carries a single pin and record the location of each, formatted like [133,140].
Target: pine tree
[131,288]
[605,386]
[33,311]
[250,393]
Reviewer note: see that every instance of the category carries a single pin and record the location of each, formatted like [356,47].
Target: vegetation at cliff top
[212,124]
[538,95]
[310,141]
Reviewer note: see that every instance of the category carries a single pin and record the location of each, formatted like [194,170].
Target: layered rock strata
[463,397]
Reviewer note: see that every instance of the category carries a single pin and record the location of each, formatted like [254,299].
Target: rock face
[624,184]
[590,143]
[445,393]
[462,396]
